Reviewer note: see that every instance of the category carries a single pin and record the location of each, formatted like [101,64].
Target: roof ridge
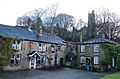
[11,26]
[98,40]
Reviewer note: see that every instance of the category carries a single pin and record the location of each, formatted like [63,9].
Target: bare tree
[50,16]
[80,24]
[32,19]
[108,24]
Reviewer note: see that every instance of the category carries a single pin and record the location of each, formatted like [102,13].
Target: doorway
[34,56]
[61,61]
[32,63]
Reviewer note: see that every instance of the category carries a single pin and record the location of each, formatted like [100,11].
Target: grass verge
[112,76]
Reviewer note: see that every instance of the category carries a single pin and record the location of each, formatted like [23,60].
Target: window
[38,61]
[14,42]
[52,48]
[40,44]
[42,60]
[59,48]
[12,59]
[82,48]
[18,42]
[16,45]
[82,59]
[18,58]
[15,59]
[96,48]
[42,47]
[96,60]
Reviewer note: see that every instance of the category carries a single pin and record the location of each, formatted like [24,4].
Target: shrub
[5,50]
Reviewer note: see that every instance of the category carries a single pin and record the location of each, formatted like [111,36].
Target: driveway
[64,73]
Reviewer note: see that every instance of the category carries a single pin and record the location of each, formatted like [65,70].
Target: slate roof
[47,37]
[22,33]
[97,41]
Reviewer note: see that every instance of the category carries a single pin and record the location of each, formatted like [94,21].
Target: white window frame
[96,48]
[52,48]
[42,47]
[96,60]
[13,58]
[17,45]
[16,58]
[82,48]
[43,60]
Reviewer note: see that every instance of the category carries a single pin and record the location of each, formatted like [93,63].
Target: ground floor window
[82,59]
[15,59]
[96,59]
[41,60]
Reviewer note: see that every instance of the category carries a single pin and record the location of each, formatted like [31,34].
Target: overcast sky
[11,9]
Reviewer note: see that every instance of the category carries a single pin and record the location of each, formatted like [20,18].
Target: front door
[32,64]
[61,61]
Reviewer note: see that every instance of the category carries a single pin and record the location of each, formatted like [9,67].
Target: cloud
[11,9]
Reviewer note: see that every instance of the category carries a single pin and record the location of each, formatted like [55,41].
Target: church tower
[91,31]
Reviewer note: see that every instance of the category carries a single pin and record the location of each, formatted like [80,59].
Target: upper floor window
[96,48]
[42,47]
[59,48]
[16,45]
[18,41]
[82,48]
[52,48]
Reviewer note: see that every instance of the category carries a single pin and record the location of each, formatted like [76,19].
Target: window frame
[96,60]
[15,59]
[82,48]
[96,48]
[12,59]
[42,47]
[17,45]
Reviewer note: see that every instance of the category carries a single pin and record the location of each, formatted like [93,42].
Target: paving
[64,73]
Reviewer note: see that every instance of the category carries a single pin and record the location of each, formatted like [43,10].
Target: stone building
[33,50]
[91,52]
